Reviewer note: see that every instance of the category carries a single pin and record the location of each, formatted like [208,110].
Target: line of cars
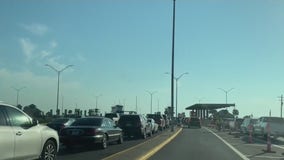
[18,130]
[103,130]
[263,126]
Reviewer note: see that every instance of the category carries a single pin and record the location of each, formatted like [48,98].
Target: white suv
[21,137]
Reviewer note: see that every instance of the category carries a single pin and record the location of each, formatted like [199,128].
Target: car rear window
[129,118]
[111,115]
[87,122]
[61,120]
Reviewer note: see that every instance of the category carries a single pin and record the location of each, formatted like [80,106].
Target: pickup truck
[265,124]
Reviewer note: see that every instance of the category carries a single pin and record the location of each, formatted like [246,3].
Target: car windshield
[87,122]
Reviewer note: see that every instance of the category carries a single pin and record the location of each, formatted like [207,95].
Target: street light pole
[18,91]
[177,78]
[226,92]
[151,94]
[173,65]
[97,100]
[58,75]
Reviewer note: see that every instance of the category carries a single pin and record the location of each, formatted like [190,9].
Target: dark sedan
[95,130]
[60,123]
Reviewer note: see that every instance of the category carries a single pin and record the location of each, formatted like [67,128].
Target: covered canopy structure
[202,110]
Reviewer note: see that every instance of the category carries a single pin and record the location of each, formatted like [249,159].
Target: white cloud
[53,44]
[81,58]
[40,90]
[37,29]
[44,54]
[28,47]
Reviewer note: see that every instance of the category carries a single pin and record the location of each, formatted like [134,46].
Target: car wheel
[120,139]
[49,151]
[104,142]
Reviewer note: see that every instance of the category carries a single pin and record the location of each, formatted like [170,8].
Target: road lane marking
[269,157]
[160,146]
[281,147]
[229,145]
[121,152]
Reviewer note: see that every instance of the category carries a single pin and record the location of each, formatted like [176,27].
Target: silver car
[23,138]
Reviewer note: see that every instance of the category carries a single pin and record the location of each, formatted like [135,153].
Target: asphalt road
[196,144]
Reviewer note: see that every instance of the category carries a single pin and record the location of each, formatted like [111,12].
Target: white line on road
[230,146]
[269,157]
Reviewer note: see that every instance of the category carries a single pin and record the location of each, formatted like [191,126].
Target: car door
[27,138]
[111,130]
[7,138]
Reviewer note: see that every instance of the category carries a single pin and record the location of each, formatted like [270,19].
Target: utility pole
[18,91]
[58,75]
[136,105]
[281,100]
[151,94]
[226,92]
[173,65]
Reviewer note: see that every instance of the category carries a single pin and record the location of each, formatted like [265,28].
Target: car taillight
[90,132]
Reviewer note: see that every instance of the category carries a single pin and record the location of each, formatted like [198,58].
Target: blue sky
[121,49]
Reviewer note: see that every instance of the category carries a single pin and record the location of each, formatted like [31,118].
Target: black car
[60,123]
[194,122]
[91,130]
[135,125]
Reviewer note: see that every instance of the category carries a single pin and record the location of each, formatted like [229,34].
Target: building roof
[208,106]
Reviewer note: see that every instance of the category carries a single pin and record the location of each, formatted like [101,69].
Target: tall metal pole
[226,92]
[281,105]
[97,100]
[151,94]
[62,102]
[173,65]
[57,99]
[18,91]
[58,75]
[177,78]
[136,104]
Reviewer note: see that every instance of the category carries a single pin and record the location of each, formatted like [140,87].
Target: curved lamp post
[58,75]
[226,92]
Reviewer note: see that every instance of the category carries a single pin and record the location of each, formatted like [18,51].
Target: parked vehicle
[235,124]
[114,116]
[194,122]
[159,120]
[154,125]
[135,125]
[264,124]
[60,123]
[21,137]
[247,125]
[91,130]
